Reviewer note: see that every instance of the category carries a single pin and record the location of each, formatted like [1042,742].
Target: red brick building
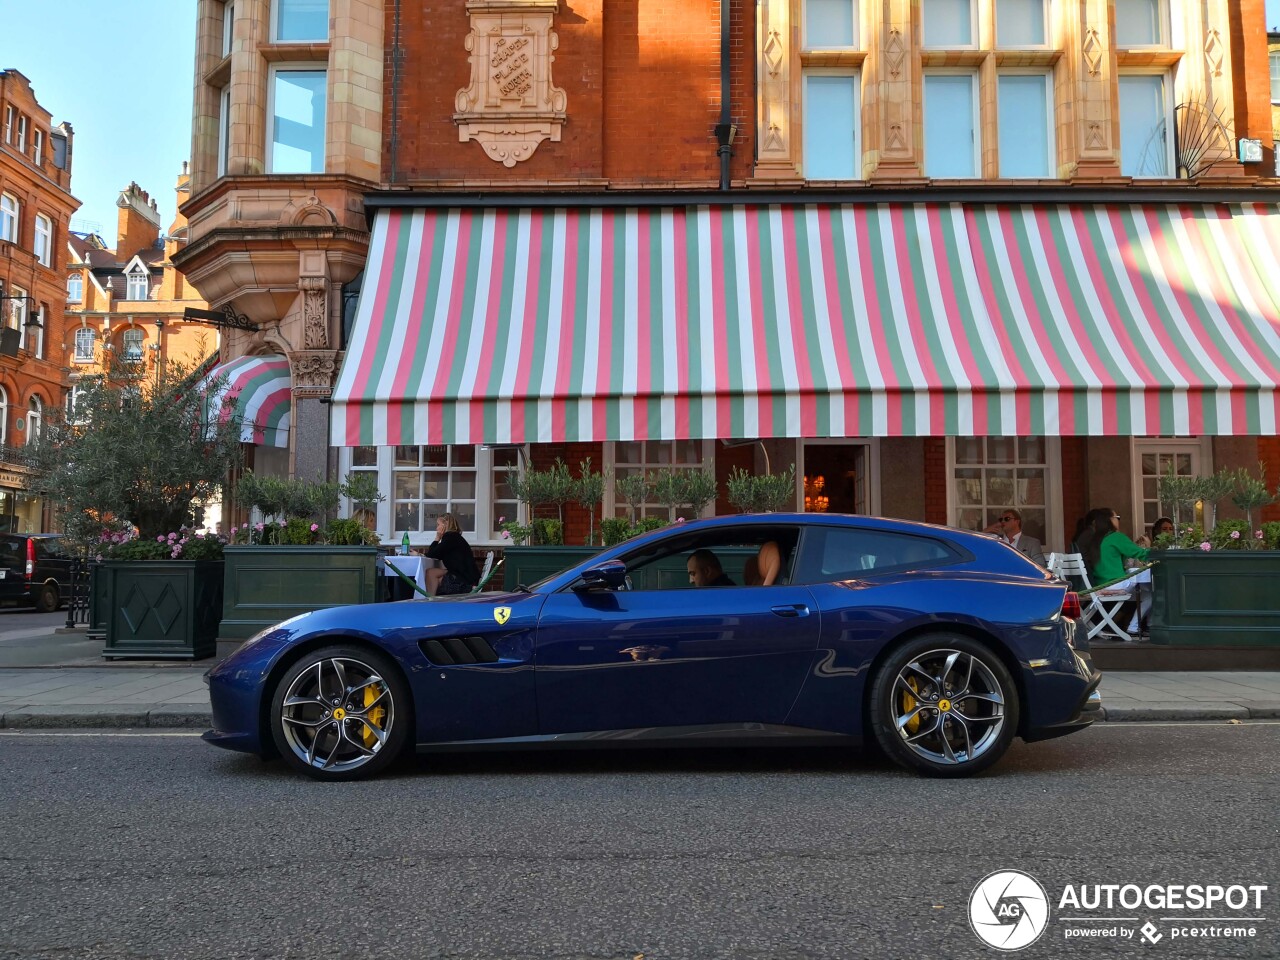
[949,258]
[35,209]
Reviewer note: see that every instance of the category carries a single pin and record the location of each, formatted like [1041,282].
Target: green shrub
[350,532]
[547,532]
[614,530]
[1231,535]
[1271,535]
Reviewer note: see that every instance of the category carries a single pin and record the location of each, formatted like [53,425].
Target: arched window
[9,210]
[35,414]
[75,288]
[4,415]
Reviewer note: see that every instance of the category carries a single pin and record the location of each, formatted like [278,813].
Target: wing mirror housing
[612,575]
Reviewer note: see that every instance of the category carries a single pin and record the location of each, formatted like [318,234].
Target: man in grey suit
[1008,527]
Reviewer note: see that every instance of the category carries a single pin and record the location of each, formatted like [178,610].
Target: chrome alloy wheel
[337,714]
[948,706]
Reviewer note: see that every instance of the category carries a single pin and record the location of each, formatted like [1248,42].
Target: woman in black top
[459,573]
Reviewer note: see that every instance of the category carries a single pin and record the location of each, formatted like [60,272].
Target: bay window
[297,118]
[951,135]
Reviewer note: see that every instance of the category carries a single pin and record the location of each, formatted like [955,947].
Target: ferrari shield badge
[501,614]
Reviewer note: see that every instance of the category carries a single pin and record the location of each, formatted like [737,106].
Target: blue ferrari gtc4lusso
[941,645]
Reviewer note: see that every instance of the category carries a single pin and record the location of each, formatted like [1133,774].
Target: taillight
[1071,605]
[31,558]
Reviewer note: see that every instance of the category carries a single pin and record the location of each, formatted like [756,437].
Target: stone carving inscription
[511,105]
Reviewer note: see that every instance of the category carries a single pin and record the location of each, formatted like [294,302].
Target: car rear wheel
[341,713]
[47,599]
[944,705]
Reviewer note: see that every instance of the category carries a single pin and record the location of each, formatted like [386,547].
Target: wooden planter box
[265,584]
[161,609]
[1216,598]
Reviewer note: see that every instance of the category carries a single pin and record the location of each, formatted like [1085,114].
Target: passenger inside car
[762,570]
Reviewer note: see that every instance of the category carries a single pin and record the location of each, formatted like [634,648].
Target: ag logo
[501,614]
[1008,910]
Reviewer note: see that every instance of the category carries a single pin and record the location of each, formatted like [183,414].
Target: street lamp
[158,346]
[11,337]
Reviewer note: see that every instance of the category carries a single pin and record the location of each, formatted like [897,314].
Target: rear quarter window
[833,553]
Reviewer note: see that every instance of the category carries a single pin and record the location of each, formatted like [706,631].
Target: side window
[835,553]
[720,558]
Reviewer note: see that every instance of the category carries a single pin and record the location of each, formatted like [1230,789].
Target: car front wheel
[944,705]
[341,713]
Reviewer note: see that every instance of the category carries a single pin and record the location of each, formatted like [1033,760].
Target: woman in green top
[1107,549]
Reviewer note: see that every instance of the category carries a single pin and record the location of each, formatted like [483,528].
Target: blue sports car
[792,629]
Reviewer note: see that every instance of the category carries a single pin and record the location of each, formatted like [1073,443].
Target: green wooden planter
[266,584]
[161,609]
[1216,598]
[97,603]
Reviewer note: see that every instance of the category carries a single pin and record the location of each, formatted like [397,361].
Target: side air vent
[458,651]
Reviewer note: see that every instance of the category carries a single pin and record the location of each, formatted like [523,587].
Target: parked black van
[35,570]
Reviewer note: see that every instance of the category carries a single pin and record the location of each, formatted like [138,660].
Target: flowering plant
[182,544]
[293,510]
[515,531]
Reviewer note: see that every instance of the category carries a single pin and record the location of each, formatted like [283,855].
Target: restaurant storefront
[939,360]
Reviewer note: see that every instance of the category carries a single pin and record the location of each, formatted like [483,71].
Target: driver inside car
[705,570]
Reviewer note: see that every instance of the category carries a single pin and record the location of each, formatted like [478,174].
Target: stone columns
[892,96]
[1088,128]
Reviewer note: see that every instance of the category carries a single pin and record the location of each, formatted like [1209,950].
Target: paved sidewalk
[131,695]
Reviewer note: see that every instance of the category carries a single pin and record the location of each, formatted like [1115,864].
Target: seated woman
[1105,551]
[705,570]
[762,570]
[459,573]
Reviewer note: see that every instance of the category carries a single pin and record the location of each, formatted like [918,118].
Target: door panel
[631,659]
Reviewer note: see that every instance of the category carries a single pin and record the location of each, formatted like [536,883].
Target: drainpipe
[725,130]
[395,92]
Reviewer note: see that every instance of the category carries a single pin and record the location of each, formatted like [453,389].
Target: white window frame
[10,217]
[38,332]
[132,335]
[137,280]
[35,419]
[1050,125]
[872,445]
[9,115]
[975,38]
[224,129]
[976,91]
[228,22]
[276,10]
[43,248]
[75,287]
[486,533]
[275,70]
[22,133]
[857,28]
[1171,159]
[37,148]
[1165,39]
[1048,28]
[612,506]
[74,394]
[84,336]
[1200,450]
[856,75]
[1274,60]
[4,415]
[18,313]
[1053,524]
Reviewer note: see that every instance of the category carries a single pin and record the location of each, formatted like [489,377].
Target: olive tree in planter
[761,493]
[295,559]
[537,489]
[137,458]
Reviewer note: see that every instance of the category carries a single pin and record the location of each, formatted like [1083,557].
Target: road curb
[71,717]
[1207,711]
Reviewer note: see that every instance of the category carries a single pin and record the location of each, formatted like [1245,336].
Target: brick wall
[935,480]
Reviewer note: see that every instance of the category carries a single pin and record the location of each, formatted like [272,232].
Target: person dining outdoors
[1008,527]
[1105,549]
[459,573]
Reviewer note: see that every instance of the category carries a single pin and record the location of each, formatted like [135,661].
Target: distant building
[35,210]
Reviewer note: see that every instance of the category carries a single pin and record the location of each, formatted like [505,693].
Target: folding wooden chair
[1100,605]
[487,571]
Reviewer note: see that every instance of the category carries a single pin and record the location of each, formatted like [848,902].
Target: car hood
[419,615]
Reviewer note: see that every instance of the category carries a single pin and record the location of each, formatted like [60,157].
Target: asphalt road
[135,846]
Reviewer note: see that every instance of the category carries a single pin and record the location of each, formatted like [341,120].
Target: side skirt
[714,735]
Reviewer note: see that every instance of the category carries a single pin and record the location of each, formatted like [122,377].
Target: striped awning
[511,325]
[261,394]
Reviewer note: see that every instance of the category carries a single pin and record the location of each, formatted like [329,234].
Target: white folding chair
[1099,607]
[486,571]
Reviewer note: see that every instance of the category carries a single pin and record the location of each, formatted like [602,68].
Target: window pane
[364,457]
[297,124]
[1024,126]
[968,449]
[435,456]
[406,456]
[830,129]
[407,486]
[1143,150]
[828,23]
[1275,78]
[302,20]
[464,485]
[948,126]
[1138,23]
[1001,450]
[1020,23]
[948,23]
[407,516]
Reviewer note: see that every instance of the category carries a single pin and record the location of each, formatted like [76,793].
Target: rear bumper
[1087,711]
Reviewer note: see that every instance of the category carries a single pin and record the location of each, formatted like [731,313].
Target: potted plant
[293,559]
[139,459]
[1216,587]
[761,493]
[537,548]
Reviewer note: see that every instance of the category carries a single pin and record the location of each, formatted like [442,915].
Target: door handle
[791,610]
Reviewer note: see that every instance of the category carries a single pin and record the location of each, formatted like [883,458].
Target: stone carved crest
[1213,52]
[1092,50]
[511,105]
[1095,136]
[315,325]
[314,372]
[894,52]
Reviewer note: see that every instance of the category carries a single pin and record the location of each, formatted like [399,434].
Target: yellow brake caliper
[373,718]
[909,704]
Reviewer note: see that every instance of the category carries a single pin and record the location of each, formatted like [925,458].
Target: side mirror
[611,574]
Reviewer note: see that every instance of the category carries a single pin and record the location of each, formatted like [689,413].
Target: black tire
[940,720]
[347,740]
[47,600]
